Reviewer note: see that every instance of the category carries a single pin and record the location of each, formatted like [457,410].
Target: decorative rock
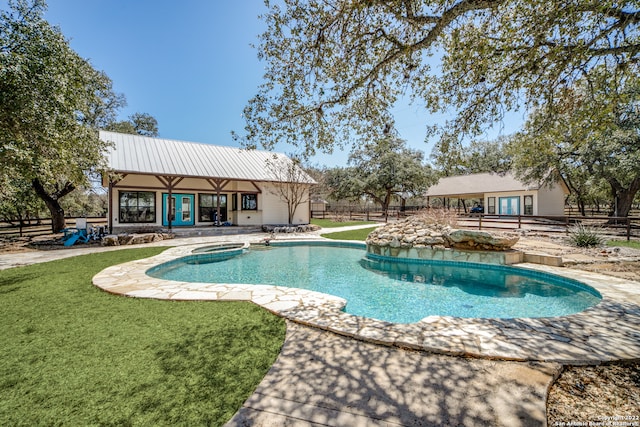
[305,228]
[110,240]
[134,239]
[420,232]
[473,239]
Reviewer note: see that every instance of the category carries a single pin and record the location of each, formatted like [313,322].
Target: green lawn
[630,244]
[360,234]
[74,355]
[327,223]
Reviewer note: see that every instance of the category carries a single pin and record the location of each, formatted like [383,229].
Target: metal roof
[158,156]
[477,184]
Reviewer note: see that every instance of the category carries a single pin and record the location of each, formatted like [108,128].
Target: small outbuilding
[503,194]
[168,183]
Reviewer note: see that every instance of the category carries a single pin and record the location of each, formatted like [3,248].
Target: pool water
[391,290]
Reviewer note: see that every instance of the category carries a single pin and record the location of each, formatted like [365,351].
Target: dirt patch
[47,242]
[590,395]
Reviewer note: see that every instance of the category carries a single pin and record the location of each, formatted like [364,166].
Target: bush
[583,236]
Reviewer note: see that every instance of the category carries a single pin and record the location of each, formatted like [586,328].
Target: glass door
[510,205]
[181,209]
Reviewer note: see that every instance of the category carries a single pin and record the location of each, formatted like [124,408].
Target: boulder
[420,232]
[134,239]
[110,240]
[475,239]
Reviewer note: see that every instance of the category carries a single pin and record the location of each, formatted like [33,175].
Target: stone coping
[609,331]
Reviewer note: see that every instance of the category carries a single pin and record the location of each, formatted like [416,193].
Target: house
[168,183]
[503,194]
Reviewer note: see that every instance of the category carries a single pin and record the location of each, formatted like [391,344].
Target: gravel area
[588,395]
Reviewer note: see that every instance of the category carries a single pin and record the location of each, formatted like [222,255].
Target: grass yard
[629,244]
[327,223]
[360,234]
[74,355]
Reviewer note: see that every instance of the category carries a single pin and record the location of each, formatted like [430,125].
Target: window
[137,206]
[491,205]
[249,202]
[528,205]
[208,207]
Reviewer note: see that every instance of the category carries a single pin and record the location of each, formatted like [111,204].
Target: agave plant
[584,236]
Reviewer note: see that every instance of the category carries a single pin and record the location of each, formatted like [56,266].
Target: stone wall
[418,237]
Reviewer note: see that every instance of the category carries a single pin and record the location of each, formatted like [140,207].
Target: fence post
[480,222]
[519,222]
[628,229]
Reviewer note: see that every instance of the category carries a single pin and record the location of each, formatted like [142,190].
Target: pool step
[543,259]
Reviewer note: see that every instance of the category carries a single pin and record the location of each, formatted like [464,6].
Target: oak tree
[380,171]
[589,134]
[334,69]
[51,101]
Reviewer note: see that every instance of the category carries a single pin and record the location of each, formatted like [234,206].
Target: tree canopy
[379,171]
[590,136]
[137,124]
[334,69]
[51,101]
[479,156]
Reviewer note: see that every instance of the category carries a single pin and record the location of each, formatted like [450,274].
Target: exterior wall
[279,212]
[519,194]
[270,209]
[551,201]
[546,201]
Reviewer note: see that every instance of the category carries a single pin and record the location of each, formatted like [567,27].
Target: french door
[509,205]
[181,213]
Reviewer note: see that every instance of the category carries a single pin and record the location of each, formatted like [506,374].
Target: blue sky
[189,64]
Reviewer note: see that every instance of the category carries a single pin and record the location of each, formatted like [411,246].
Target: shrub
[583,236]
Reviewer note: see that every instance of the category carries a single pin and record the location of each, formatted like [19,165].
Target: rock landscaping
[420,238]
[419,232]
[305,228]
[134,239]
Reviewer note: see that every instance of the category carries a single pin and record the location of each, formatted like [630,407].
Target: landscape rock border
[134,239]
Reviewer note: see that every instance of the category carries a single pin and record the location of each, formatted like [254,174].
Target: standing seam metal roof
[157,156]
[479,183]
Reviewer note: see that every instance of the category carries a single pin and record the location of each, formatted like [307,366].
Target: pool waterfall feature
[418,237]
[434,253]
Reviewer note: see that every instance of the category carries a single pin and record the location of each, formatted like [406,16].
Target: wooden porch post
[169,182]
[218,185]
[110,208]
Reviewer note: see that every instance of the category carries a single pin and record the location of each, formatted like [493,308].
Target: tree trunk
[623,197]
[581,206]
[53,204]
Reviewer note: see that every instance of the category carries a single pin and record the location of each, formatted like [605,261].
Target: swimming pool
[399,291]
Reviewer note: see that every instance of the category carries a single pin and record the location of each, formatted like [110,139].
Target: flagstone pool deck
[607,332]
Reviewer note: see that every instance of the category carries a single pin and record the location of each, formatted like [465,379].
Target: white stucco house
[168,183]
[503,194]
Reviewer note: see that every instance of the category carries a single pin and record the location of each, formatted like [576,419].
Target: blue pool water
[401,292]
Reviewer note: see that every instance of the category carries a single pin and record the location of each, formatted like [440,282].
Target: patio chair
[80,234]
